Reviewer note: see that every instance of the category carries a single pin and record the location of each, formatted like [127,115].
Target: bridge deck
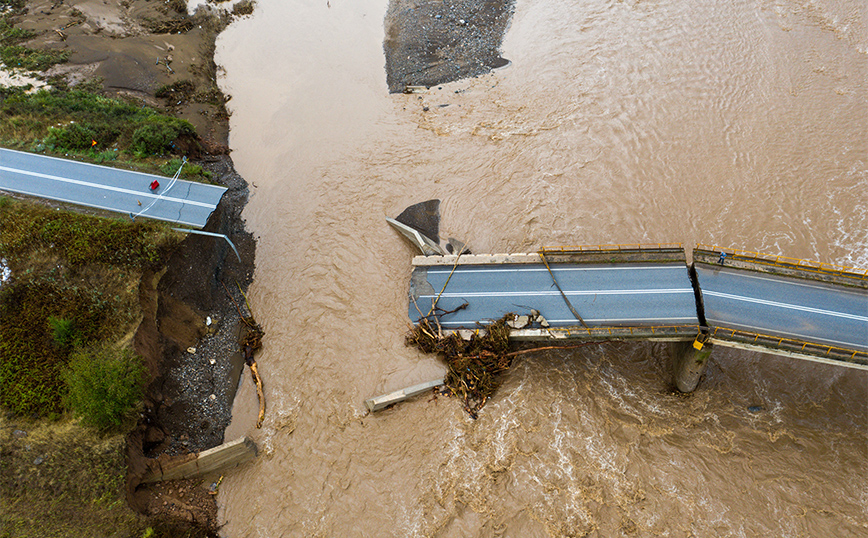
[781,308]
[605,295]
[107,188]
[738,303]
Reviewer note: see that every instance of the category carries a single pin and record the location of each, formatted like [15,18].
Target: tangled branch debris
[474,365]
[250,341]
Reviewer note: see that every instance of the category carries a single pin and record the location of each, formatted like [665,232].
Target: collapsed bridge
[727,297]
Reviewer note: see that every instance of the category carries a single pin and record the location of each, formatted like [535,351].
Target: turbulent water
[739,123]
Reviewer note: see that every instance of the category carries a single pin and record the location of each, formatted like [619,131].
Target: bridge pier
[691,360]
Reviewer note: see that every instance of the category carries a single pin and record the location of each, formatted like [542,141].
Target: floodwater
[739,123]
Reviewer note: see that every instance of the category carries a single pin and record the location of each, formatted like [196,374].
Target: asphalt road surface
[626,295]
[789,307]
[112,189]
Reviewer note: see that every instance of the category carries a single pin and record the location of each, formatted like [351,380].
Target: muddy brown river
[739,123]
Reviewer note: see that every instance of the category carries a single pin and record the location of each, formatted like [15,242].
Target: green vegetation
[59,480]
[100,129]
[80,239]
[71,120]
[75,283]
[13,54]
[63,331]
[104,384]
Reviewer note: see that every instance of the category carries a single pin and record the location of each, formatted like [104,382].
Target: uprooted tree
[250,340]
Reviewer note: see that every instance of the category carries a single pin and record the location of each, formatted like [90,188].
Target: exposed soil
[195,366]
[432,42]
[138,47]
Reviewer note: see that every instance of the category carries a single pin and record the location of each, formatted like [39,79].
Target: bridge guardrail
[607,332]
[789,344]
[771,259]
[602,248]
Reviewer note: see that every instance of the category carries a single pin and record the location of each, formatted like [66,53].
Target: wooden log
[214,459]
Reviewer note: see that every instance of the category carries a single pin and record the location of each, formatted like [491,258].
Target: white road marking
[830,287]
[787,306]
[557,293]
[106,187]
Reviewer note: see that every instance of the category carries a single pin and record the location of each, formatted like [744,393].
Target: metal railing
[782,342]
[606,248]
[596,332]
[771,259]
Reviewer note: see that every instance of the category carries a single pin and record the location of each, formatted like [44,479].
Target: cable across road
[620,297]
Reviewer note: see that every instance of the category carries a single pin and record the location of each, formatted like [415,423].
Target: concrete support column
[690,362]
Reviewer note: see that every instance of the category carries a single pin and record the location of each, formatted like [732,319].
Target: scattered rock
[520,322]
[38,460]
[19,434]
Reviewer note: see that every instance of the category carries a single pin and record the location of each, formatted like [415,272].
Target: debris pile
[474,364]
[250,340]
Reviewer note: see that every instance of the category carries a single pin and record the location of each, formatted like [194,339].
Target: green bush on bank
[157,135]
[81,122]
[103,385]
[75,283]
[30,382]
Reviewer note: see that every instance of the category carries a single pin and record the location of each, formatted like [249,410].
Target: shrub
[104,385]
[190,170]
[72,136]
[159,133]
[63,331]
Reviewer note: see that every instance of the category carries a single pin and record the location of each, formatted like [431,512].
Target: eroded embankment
[194,363]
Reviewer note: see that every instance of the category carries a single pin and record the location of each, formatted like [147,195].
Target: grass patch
[58,479]
[74,283]
[61,480]
[84,123]
[82,239]
[13,54]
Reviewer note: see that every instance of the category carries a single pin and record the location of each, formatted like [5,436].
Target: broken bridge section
[620,292]
[785,306]
[111,189]
[771,304]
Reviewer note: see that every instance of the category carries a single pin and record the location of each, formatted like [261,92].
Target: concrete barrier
[214,459]
[381,402]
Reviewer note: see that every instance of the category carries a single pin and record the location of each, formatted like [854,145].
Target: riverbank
[154,56]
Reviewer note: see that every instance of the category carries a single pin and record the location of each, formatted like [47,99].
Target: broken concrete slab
[381,402]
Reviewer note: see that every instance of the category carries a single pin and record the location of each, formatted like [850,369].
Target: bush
[104,385]
[72,136]
[63,331]
[190,170]
[158,135]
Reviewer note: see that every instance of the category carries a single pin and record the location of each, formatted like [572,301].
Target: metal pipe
[210,234]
